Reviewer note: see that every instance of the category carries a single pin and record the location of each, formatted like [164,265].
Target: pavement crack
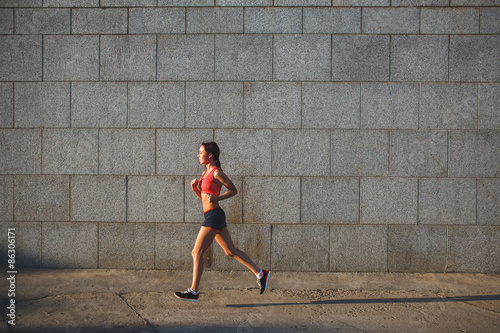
[489,192]
[480,307]
[23,300]
[137,313]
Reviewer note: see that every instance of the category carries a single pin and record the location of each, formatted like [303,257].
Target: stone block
[6,198]
[488,206]
[332,20]
[42,104]
[448,106]
[157,20]
[389,105]
[6,105]
[99,104]
[360,58]
[475,58]
[71,58]
[450,21]
[99,21]
[330,105]
[245,152]
[419,154]
[176,150]
[70,245]
[474,154]
[417,248]
[273,20]
[186,3]
[360,153]
[155,199]
[473,2]
[302,3]
[360,248]
[70,151]
[243,57]
[214,20]
[21,3]
[447,201]
[313,255]
[388,200]
[41,198]
[271,200]
[232,207]
[21,58]
[474,249]
[186,57]
[329,200]
[173,245]
[119,55]
[128,3]
[419,58]
[6,21]
[489,104]
[127,245]
[43,21]
[272,105]
[214,104]
[254,240]
[127,152]
[156,105]
[490,20]
[302,57]
[71,3]
[98,198]
[28,244]
[301,153]
[21,151]
[391,20]
[426,3]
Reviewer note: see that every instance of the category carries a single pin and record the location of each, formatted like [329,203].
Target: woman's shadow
[380,301]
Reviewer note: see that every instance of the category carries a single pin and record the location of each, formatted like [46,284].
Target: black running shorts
[215,219]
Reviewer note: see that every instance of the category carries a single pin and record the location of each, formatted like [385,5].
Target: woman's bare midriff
[207,205]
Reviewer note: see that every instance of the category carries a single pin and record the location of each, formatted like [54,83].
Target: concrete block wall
[362,135]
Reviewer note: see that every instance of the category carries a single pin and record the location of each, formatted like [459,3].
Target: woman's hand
[211,198]
[194,187]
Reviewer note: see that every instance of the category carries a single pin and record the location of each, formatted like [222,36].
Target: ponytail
[212,148]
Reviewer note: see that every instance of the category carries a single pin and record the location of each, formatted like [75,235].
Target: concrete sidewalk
[142,301]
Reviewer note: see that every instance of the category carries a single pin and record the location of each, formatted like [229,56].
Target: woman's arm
[223,179]
[194,187]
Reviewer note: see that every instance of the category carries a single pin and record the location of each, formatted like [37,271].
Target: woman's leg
[203,242]
[224,240]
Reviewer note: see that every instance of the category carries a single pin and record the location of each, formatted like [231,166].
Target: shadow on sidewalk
[380,301]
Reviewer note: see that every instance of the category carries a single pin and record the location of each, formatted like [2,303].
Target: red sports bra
[208,185]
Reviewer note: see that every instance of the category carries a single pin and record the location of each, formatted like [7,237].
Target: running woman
[208,189]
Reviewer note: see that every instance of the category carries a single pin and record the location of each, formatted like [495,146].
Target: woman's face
[203,156]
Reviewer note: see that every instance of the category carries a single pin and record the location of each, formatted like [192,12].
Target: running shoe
[263,281]
[186,296]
